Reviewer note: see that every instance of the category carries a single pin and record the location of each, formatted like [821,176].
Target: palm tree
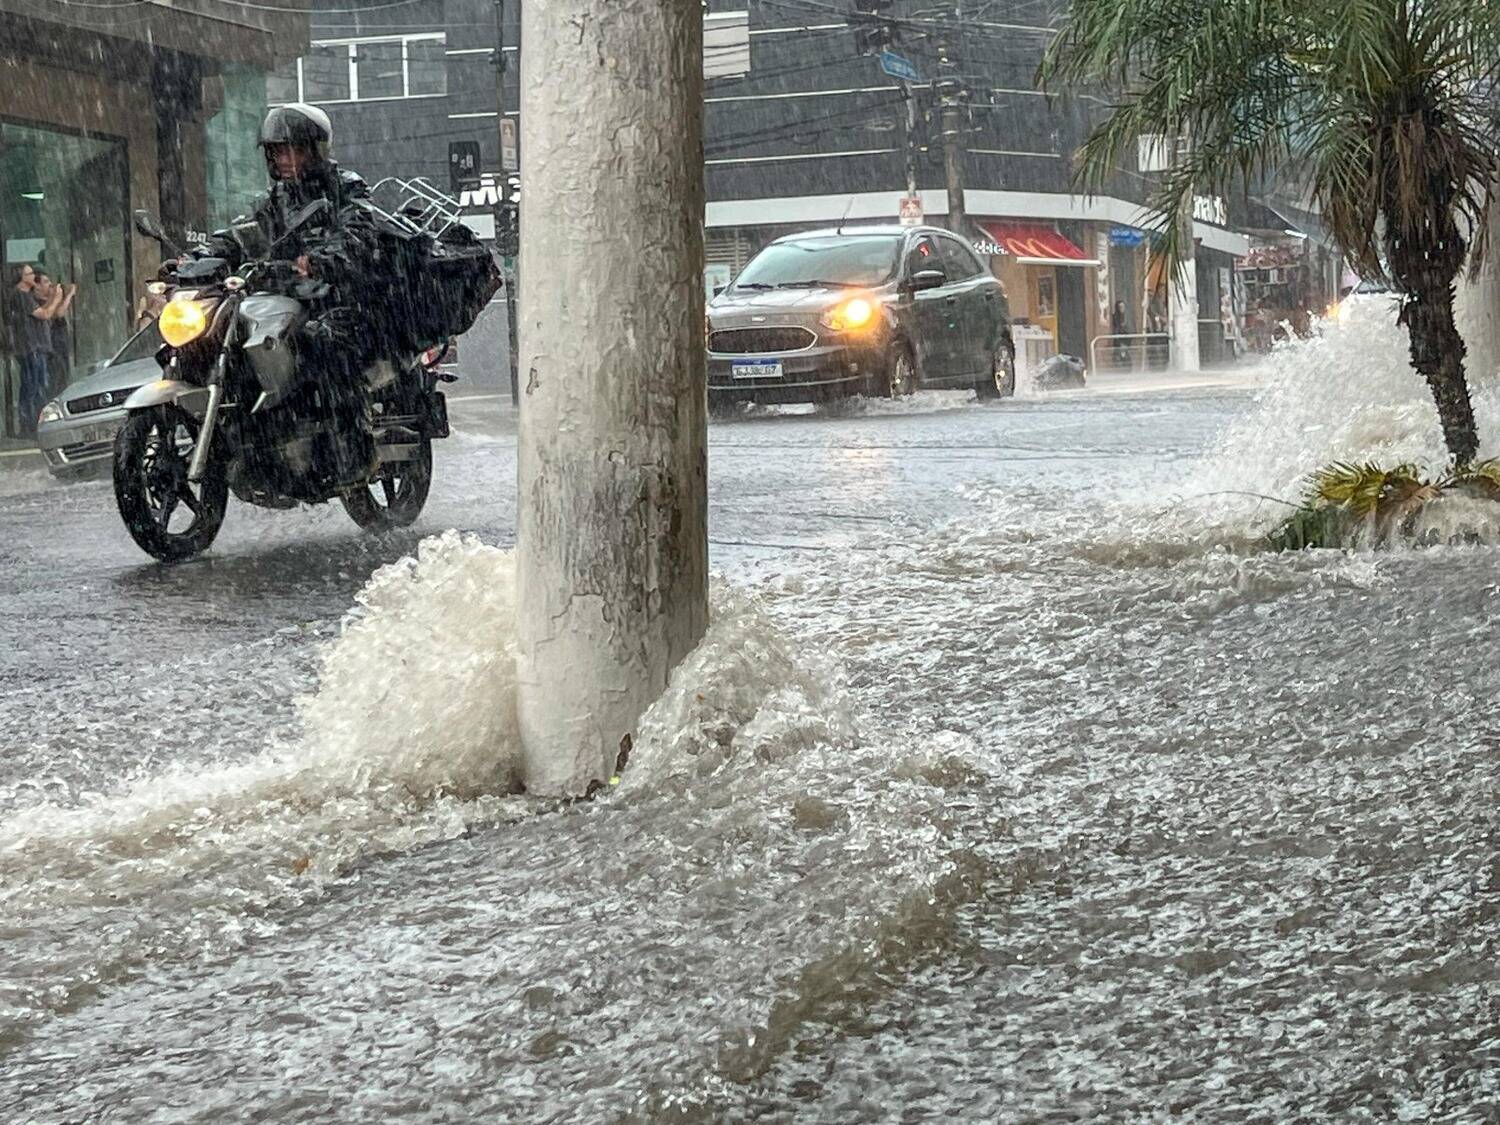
[1384,108]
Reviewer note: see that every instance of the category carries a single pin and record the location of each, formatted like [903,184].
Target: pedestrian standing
[148,308]
[1119,327]
[60,356]
[33,342]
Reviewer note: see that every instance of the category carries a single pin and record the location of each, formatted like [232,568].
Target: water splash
[753,759]
[1350,394]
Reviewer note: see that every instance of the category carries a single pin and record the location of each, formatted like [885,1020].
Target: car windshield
[143,345]
[842,260]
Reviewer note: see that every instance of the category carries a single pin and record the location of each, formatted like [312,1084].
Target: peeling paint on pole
[613,551]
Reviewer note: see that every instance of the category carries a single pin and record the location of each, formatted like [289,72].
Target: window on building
[325,73]
[426,67]
[380,70]
[376,68]
[282,84]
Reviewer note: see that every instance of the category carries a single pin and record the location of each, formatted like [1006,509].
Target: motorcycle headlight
[851,315]
[183,320]
[52,412]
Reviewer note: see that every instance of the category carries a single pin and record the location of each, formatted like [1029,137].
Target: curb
[22,459]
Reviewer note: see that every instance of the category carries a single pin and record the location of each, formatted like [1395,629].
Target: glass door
[64,207]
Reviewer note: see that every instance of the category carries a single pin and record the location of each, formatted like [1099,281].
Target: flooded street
[1011,784]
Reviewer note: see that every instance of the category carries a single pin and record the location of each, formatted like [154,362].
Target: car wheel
[1002,380]
[901,376]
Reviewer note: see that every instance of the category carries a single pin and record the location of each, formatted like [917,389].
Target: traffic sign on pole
[911,211]
[898,66]
[510,150]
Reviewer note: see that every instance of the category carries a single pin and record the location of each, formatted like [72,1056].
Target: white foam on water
[1349,394]
[22,482]
[410,739]
[753,758]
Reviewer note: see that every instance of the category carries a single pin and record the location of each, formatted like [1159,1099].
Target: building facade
[106,110]
[803,131]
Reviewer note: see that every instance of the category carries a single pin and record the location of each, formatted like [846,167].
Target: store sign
[1126,236]
[1210,209]
[486,194]
[989,249]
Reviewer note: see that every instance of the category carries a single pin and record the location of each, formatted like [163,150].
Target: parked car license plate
[756,369]
[93,434]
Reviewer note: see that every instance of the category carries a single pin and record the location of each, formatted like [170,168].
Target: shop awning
[1033,244]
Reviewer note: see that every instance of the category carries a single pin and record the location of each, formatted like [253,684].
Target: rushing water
[1074,806]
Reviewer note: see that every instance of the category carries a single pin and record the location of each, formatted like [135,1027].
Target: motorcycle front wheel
[396,500]
[168,517]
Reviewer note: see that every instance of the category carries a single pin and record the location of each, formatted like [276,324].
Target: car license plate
[94,434]
[756,369]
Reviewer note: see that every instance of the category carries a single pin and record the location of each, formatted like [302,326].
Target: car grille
[104,400]
[757,341]
[83,450]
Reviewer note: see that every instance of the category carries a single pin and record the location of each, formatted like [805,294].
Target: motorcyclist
[340,248]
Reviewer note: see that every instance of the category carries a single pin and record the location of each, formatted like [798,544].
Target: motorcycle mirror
[148,225]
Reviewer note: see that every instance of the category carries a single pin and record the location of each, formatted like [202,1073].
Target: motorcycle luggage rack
[419,205]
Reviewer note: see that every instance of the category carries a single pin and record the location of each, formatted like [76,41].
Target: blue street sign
[897,66]
[1126,236]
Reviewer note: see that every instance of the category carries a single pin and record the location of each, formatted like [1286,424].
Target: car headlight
[183,320]
[851,315]
[52,412]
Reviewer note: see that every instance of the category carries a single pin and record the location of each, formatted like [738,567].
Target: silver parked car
[76,430]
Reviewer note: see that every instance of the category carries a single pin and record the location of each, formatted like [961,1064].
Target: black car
[862,310]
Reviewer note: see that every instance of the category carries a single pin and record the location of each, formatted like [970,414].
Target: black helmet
[297,124]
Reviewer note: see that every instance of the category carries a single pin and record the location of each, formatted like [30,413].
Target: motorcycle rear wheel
[396,500]
[169,518]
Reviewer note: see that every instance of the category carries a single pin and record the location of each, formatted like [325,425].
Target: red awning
[1032,244]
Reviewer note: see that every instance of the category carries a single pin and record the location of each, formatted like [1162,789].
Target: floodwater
[1012,783]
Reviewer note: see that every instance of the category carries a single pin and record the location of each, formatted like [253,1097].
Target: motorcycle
[238,410]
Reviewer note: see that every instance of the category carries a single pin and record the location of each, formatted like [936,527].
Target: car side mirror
[719,289]
[927,279]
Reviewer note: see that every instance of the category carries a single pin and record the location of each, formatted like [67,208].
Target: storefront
[106,113]
[1051,284]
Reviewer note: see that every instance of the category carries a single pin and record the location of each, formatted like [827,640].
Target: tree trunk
[1437,351]
[612,523]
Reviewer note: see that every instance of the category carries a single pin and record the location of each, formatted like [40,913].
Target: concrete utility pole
[909,137]
[612,535]
[952,115]
[1477,311]
[506,207]
[1182,295]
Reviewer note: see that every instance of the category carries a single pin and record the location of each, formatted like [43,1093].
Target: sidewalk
[16,453]
[1248,376]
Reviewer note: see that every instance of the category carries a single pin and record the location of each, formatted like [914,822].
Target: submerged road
[1011,784]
